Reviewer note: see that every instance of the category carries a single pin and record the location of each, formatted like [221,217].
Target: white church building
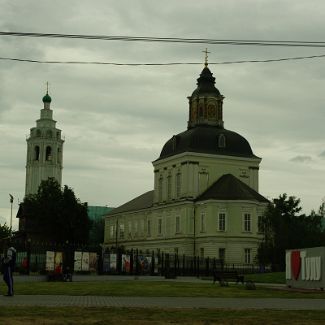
[205,200]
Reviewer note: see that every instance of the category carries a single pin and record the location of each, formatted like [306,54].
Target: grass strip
[137,316]
[154,289]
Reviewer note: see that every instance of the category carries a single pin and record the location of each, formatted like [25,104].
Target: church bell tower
[44,150]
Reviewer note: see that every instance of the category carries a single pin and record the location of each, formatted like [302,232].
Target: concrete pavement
[163,302]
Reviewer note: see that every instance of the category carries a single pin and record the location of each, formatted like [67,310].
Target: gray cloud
[322,154]
[116,119]
[301,159]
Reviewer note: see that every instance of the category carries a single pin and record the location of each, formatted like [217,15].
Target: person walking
[9,262]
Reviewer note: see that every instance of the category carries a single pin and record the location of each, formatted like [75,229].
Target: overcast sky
[116,119]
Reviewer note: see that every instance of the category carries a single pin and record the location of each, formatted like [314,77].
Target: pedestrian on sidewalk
[8,264]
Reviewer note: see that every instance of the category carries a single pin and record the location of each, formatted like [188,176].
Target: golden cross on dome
[206,57]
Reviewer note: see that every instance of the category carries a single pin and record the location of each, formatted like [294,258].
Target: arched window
[59,155]
[36,153]
[200,111]
[221,141]
[49,134]
[38,133]
[48,156]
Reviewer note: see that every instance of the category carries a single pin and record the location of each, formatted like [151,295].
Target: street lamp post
[11,202]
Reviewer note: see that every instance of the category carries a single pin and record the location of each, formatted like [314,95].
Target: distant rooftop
[97,212]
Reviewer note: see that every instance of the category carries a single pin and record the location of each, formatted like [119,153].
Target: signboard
[77,261]
[85,261]
[49,265]
[92,262]
[53,259]
[305,267]
[126,263]
[112,262]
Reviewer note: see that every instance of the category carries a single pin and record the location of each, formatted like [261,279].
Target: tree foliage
[4,231]
[56,214]
[284,228]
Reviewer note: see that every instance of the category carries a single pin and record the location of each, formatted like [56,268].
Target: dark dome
[47,98]
[206,139]
[205,84]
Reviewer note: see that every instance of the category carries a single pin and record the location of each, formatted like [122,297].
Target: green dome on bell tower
[47,98]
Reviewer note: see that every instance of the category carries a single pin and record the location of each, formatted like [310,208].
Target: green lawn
[144,316]
[275,277]
[154,289]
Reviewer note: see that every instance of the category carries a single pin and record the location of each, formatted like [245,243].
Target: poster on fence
[77,261]
[85,261]
[92,262]
[58,259]
[144,263]
[105,262]
[49,264]
[126,261]
[112,262]
[156,265]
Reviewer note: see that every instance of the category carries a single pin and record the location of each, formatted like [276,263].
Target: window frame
[224,222]
[247,222]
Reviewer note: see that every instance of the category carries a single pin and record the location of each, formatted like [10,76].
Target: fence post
[28,253]
[152,263]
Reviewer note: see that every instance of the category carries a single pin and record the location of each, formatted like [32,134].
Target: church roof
[228,187]
[204,139]
[143,201]
[206,84]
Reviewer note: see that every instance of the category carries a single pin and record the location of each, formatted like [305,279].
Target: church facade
[205,200]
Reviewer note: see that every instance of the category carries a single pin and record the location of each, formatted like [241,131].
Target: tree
[285,229]
[4,231]
[56,215]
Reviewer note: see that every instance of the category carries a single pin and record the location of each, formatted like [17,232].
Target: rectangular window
[111,231]
[248,257]
[222,254]
[178,185]
[129,228]
[149,228]
[169,187]
[247,222]
[159,226]
[178,224]
[222,222]
[136,227]
[160,189]
[260,224]
[141,226]
[122,230]
[202,222]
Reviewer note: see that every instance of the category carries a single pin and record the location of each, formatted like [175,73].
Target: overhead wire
[287,43]
[163,63]
[167,39]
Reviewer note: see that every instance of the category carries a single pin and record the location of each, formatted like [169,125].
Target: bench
[65,277]
[223,276]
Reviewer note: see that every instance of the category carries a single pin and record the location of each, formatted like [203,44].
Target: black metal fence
[41,258]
